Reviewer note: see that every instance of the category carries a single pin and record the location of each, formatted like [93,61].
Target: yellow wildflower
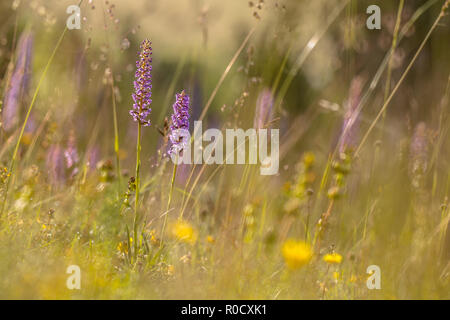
[183,231]
[296,253]
[334,257]
[153,239]
[170,270]
[122,247]
[309,159]
[27,138]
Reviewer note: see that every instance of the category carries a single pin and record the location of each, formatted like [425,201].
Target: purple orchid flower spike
[143,86]
[180,121]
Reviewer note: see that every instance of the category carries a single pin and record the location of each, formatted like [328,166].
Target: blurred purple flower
[180,121]
[31,125]
[93,157]
[263,112]
[143,86]
[418,155]
[71,155]
[348,138]
[55,165]
[19,82]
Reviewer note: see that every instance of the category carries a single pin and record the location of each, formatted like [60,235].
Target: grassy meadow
[364,148]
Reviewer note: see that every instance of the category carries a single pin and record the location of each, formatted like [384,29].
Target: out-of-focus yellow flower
[122,247]
[153,239]
[183,231]
[336,275]
[353,278]
[334,258]
[27,138]
[170,270]
[186,258]
[296,253]
[309,159]
[323,287]
[210,239]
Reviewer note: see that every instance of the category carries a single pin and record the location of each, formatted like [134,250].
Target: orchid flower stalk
[180,121]
[140,113]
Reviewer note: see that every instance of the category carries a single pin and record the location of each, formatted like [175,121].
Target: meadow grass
[362,182]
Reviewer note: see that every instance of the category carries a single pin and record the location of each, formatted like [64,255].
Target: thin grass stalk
[116,140]
[402,78]
[210,100]
[30,108]
[136,198]
[304,54]
[376,78]
[387,88]
[225,73]
[115,122]
[169,201]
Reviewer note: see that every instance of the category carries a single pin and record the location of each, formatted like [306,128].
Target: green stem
[136,198]
[116,140]
[170,198]
[402,78]
[172,183]
[33,100]
[387,88]
[391,59]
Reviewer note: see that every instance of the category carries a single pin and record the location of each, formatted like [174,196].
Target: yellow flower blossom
[27,138]
[333,258]
[170,270]
[153,239]
[296,253]
[184,232]
[122,247]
